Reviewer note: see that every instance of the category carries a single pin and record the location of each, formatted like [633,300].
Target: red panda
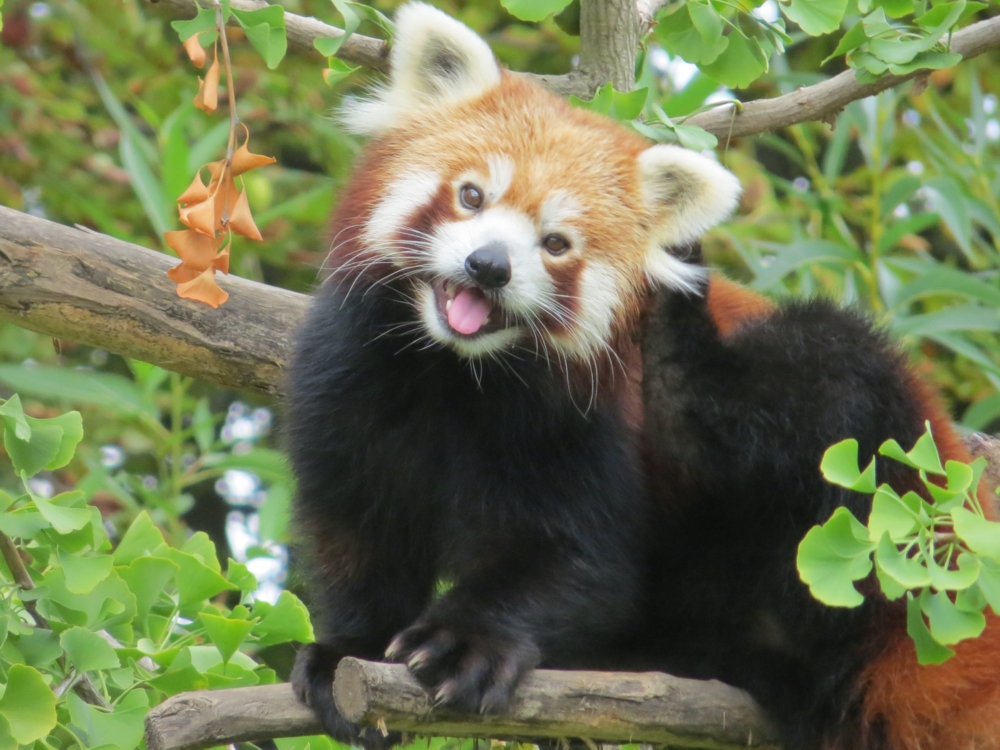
[465,403]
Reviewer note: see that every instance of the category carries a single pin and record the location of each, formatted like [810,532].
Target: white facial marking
[501,175]
[403,198]
[590,328]
[558,209]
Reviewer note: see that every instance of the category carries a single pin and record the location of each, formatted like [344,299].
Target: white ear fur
[434,60]
[690,194]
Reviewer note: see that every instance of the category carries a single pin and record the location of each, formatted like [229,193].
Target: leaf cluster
[936,548]
[133,622]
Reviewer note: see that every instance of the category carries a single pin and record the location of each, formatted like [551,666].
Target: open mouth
[466,309]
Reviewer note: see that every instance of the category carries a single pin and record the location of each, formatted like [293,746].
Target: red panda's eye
[556,244]
[471,196]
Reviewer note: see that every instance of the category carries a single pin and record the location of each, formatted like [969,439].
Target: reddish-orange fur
[730,304]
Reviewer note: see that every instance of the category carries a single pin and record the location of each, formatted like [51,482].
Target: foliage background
[895,208]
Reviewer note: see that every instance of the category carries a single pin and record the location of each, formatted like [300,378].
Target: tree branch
[609,36]
[598,706]
[88,287]
[821,100]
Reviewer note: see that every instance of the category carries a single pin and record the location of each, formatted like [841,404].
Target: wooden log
[598,706]
[82,286]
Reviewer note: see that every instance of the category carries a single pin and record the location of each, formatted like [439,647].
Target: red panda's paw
[468,671]
[312,683]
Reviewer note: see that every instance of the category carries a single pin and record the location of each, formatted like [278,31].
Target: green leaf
[739,64]
[40,648]
[613,103]
[957,318]
[924,454]
[103,389]
[146,186]
[201,546]
[337,71]
[989,582]
[23,523]
[949,624]
[853,39]
[84,573]
[816,17]
[122,728]
[204,21]
[948,579]
[832,556]
[227,634]
[7,741]
[905,571]
[28,705]
[63,519]
[204,426]
[534,10]
[286,620]
[196,581]
[929,651]
[146,578]
[240,576]
[981,535]
[142,537]
[52,444]
[265,28]
[890,516]
[927,61]
[840,467]
[88,651]
[679,36]
[13,416]
[789,257]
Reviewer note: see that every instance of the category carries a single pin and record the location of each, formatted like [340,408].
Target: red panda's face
[517,219]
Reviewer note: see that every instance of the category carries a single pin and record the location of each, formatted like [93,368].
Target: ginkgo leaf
[197,252]
[221,261]
[241,221]
[203,289]
[207,98]
[200,217]
[244,161]
[195,52]
[196,192]
[226,195]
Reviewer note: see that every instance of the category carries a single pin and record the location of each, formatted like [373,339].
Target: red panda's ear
[434,60]
[688,194]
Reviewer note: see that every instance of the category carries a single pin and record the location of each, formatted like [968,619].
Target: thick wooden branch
[607,26]
[77,285]
[598,706]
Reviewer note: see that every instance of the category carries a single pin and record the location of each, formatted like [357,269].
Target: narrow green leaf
[104,389]
[534,10]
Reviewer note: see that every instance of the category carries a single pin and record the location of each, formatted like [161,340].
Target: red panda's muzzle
[466,309]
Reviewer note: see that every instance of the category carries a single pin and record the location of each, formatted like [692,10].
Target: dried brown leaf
[226,194]
[200,216]
[196,192]
[195,51]
[244,161]
[194,248]
[207,98]
[241,221]
[221,261]
[203,288]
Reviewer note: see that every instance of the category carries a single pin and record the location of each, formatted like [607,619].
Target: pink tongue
[469,311]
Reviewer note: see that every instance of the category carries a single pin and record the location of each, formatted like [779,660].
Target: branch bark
[78,285]
[821,100]
[598,706]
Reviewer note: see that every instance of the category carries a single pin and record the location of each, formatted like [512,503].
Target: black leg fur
[412,469]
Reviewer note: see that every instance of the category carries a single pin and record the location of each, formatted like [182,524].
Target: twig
[594,706]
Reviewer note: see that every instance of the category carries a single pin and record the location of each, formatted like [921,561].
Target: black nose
[489,266]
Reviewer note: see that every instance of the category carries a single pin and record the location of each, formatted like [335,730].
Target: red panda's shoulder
[730,304]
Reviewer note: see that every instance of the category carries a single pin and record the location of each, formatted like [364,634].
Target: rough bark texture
[609,35]
[599,706]
[87,287]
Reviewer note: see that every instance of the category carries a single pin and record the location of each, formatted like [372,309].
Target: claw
[443,694]
[418,658]
[394,648]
